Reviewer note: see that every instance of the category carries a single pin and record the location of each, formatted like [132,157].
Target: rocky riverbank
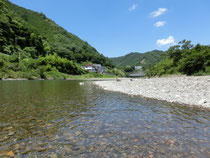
[194,90]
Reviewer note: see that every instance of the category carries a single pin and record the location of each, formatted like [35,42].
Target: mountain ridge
[146,59]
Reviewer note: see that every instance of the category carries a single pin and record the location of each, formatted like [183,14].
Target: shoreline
[69,79]
[183,90]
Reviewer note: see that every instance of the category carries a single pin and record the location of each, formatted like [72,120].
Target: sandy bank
[183,90]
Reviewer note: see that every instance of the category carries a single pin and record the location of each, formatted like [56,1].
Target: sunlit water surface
[70,119]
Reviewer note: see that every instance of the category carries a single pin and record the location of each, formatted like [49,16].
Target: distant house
[97,68]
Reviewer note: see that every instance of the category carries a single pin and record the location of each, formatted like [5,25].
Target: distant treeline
[183,58]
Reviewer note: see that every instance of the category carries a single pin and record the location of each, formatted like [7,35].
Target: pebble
[68,150]
[11,133]
[91,148]
[171,141]
[203,101]
[9,128]
[2,154]
[124,154]
[150,156]
[11,154]
[77,133]
[53,156]
[135,140]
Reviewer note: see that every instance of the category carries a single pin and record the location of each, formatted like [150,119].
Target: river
[78,119]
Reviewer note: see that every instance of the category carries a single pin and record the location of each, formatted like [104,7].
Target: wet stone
[135,146]
[150,156]
[135,140]
[11,133]
[91,136]
[3,153]
[148,127]
[91,148]
[201,141]
[9,128]
[124,154]
[41,149]
[5,138]
[54,138]
[53,156]
[77,133]
[11,154]
[70,138]
[68,150]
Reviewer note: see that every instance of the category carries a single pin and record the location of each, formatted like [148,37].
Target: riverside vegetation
[33,47]
[183,58]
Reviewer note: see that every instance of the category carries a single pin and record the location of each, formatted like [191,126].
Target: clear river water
[78,119]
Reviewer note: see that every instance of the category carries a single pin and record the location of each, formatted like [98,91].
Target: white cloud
[159,12]
[160,23]
[169,40]
[133,7]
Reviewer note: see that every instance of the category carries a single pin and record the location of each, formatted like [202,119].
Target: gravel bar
[190,90]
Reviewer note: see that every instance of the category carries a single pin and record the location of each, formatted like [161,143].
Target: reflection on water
[66,118]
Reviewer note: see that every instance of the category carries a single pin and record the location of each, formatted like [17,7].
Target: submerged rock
[11,133]
[11,154]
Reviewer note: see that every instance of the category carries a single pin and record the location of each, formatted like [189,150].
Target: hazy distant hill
[133,59]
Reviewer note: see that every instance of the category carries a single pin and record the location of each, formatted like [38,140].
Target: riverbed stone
[11,133]
[11,154]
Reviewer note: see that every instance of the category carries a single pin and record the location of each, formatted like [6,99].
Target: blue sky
[118,27]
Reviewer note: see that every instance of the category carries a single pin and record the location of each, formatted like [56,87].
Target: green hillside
[138,59]
[61,42]
[33,46]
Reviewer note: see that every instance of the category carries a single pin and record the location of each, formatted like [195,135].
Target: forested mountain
[31,45]
[184,58]
[135,59]
[65,44]
[62,42]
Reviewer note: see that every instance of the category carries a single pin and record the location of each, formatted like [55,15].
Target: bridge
[137,74]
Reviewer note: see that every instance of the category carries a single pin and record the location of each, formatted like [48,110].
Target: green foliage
[183,59]
[15,36]
[61,64]
[163,67]
[33,46]
[49,67]
[117,72]
[47,37]
[139,59]
[128,69]
[52,75]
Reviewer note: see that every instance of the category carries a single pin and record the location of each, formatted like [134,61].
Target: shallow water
[70,119]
